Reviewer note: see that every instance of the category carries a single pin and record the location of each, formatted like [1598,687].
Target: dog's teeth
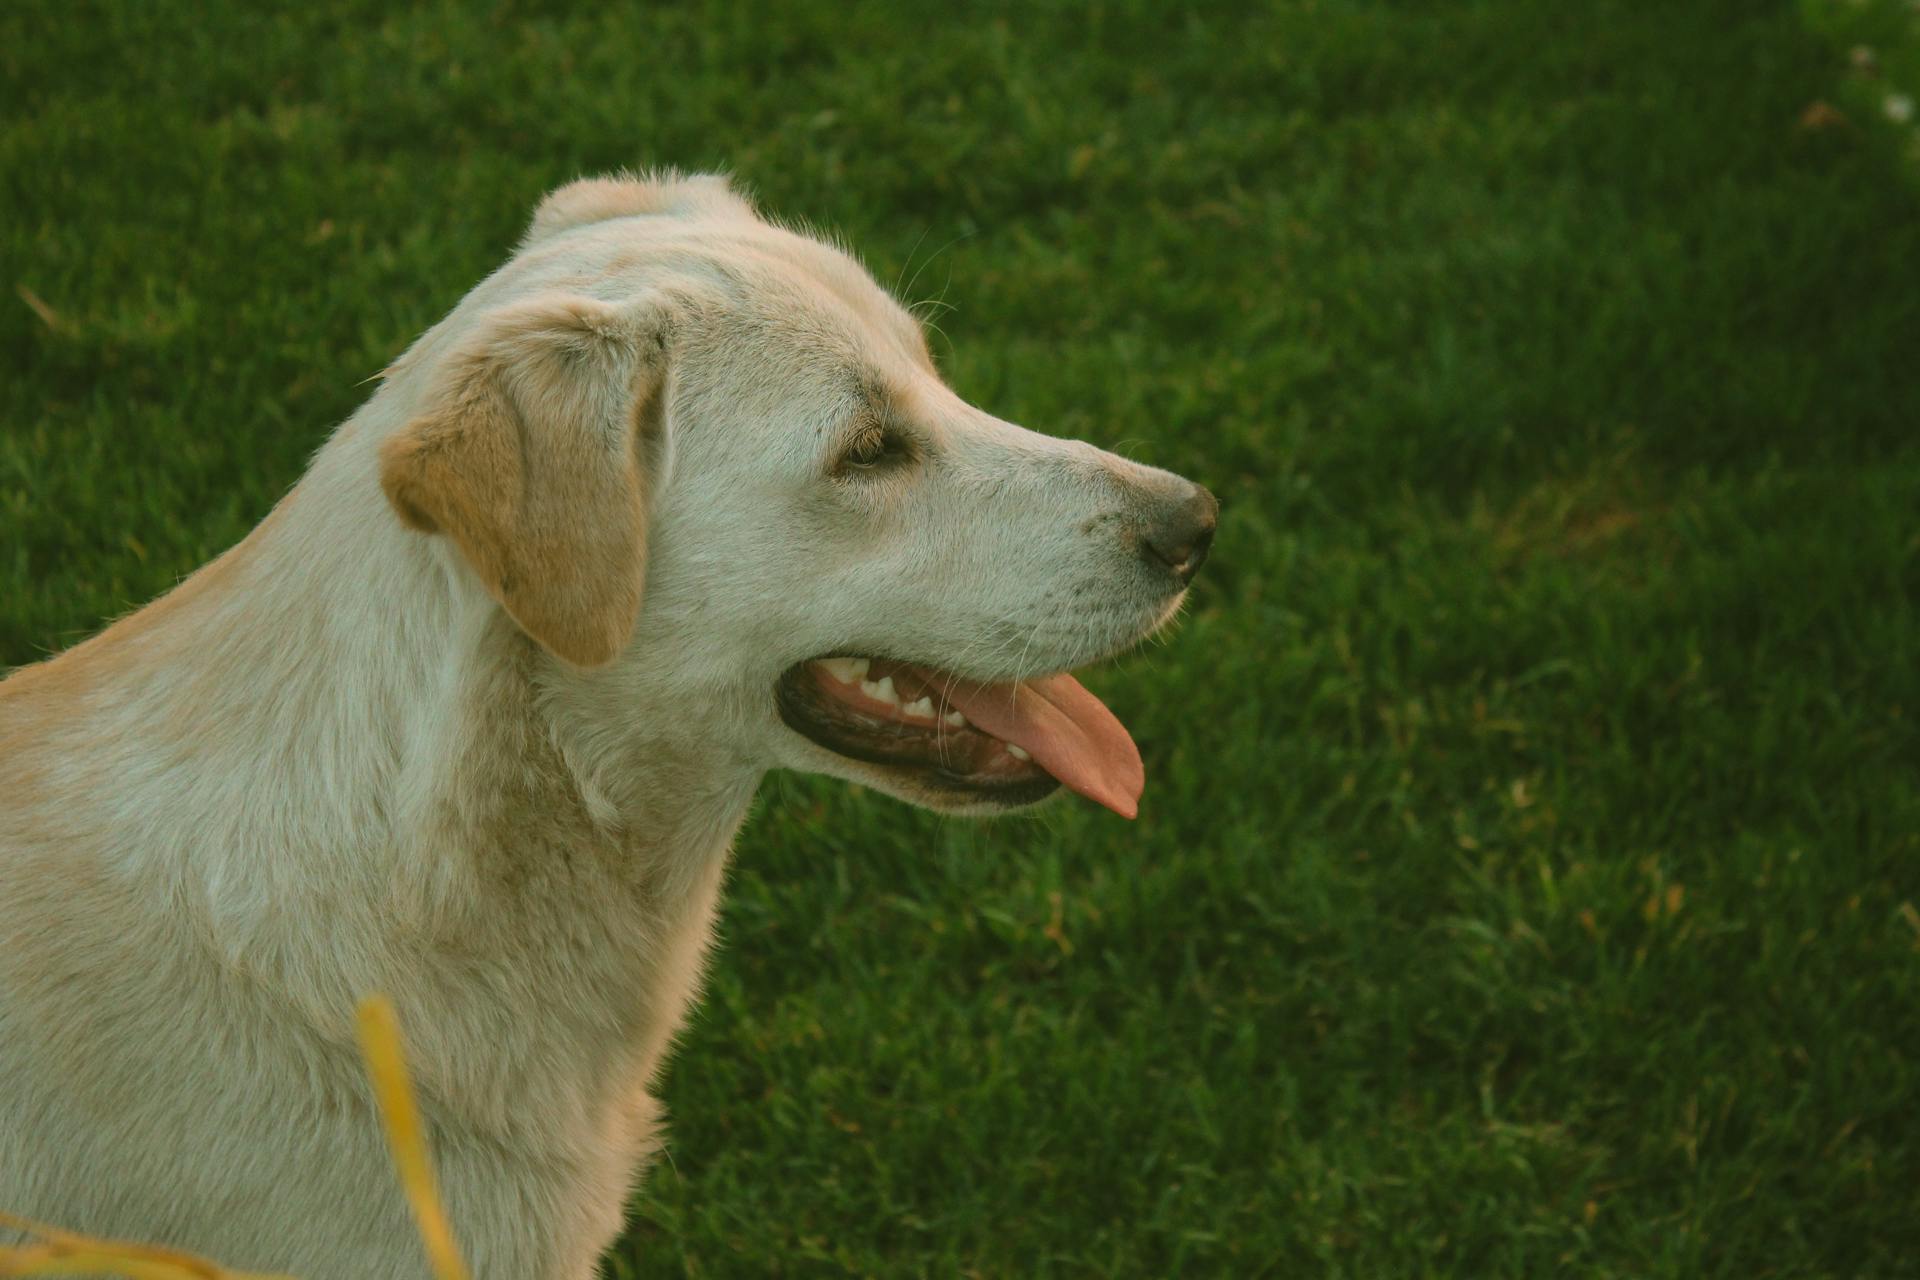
[1018,752]
[922,707]
[845,670]
[955,720]
[881,690]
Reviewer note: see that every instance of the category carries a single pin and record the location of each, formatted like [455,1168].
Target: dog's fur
[471,719]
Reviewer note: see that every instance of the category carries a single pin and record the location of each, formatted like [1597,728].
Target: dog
[673,498]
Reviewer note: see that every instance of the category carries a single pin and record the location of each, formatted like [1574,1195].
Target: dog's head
[708,464]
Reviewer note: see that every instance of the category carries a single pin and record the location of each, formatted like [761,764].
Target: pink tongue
[1069,732]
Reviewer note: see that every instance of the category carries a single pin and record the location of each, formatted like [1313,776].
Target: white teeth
[845,670]
[922,707]
[881,690]
[1018,752]
[955,720]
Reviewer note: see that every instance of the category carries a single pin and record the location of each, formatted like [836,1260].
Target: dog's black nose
[1181,535]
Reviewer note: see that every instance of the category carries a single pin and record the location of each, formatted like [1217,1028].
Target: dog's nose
[1181,535]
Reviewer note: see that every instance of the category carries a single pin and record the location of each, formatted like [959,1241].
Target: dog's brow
[879,397]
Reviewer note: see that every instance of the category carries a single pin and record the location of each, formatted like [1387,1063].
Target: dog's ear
[532,455]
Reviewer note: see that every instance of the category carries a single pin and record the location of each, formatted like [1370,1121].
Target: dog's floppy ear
[531,456]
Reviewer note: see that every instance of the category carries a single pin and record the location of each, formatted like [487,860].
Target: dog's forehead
[787,278]
[791,326]
[776,282]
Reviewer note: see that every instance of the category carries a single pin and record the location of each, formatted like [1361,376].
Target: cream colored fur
[472,717]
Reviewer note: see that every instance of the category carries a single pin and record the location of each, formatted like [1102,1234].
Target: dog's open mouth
[1009,742]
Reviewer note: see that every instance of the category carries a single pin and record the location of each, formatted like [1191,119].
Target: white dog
[672,498]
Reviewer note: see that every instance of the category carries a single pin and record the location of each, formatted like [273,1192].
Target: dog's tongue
[1069,733]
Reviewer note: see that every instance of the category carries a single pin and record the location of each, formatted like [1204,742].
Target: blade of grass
[387,1067]
[66,1253]
[58,1252]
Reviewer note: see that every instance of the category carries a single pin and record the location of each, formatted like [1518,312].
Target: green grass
[1882,41]
[1529,876]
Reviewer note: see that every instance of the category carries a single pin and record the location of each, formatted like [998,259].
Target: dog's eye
[872,450]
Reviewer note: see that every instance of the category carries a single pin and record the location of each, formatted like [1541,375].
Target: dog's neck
[342,769]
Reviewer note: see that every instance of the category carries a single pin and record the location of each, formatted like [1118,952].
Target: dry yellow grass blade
[55,1252]
[387,1066]
[65,1253]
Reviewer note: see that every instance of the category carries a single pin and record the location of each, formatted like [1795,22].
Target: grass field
[1528,881]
